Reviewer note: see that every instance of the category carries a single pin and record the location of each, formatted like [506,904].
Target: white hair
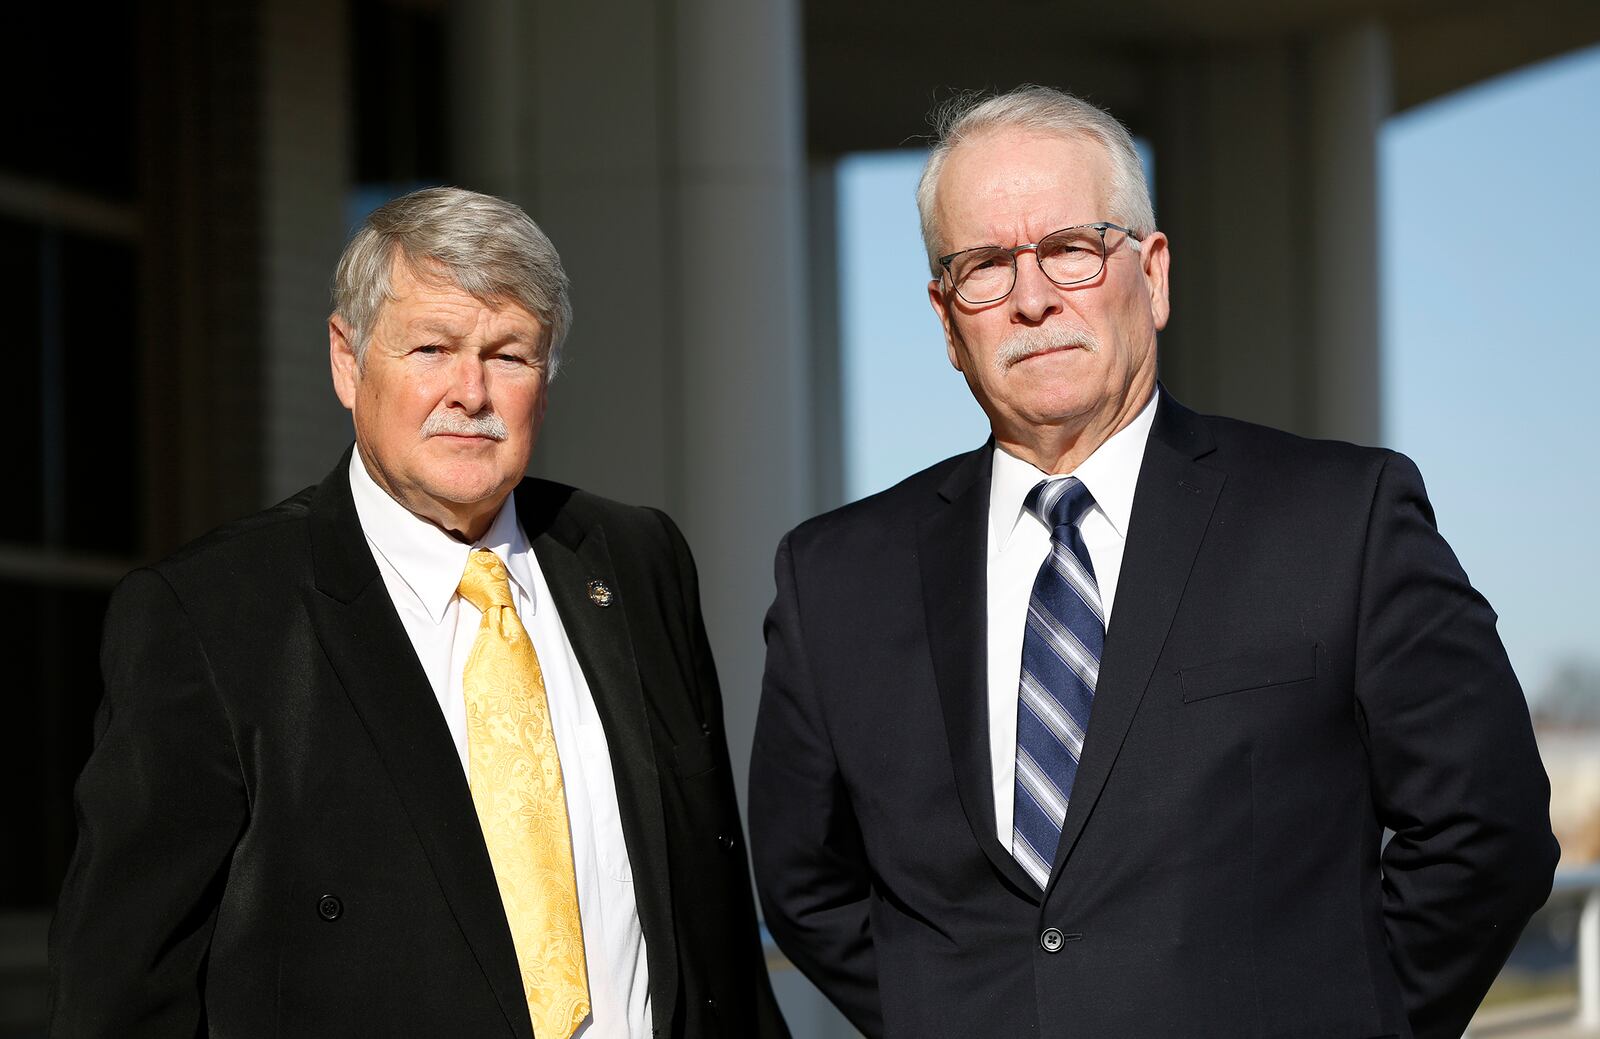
[485,245]
[1041,110]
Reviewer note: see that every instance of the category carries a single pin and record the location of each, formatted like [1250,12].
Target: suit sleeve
[811,866]
[768,1019]
[1456,773]
[160,806]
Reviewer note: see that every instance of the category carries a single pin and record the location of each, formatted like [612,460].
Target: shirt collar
[428,560]
[1111,474]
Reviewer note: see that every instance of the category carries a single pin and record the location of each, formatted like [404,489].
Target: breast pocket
[1259,669]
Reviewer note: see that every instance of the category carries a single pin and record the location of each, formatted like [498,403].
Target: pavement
[1553,1018]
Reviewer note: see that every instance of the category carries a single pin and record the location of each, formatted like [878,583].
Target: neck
[1060,448]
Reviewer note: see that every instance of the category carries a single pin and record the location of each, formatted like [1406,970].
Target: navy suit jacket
[1295,663]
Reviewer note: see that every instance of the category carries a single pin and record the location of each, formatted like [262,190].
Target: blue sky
[1490,203]
[895,371]
[1491,356]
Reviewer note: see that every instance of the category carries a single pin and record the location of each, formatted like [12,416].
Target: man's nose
[468,388]
[1034,297]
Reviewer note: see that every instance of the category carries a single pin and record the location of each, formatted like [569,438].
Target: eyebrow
[434,327]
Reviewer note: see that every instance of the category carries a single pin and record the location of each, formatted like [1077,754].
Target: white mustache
[1025,342]
[454,423]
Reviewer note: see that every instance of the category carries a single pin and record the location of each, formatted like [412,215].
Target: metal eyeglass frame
[1099,225]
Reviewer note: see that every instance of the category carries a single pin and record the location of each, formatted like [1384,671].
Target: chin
[1049,407]
[470,487]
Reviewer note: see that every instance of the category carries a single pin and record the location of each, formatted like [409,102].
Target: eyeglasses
[1067,257]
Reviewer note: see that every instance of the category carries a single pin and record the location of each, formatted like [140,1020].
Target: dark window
[75,77]
[98,368]
[21,520]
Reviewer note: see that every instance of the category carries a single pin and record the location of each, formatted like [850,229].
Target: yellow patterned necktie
[522,804]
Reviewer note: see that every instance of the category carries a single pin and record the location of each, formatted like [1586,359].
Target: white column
[1228,191]
[1589,960]
[662,148]
[1349,98]
[1267,164]
[666,160]
[745,462]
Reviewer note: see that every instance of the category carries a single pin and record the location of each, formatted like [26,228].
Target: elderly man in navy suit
[1097,730]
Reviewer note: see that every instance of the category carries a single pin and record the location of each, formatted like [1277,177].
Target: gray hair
[485,245]
[1041,110]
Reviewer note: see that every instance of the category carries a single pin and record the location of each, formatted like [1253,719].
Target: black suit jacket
[275,833]
[1295,661]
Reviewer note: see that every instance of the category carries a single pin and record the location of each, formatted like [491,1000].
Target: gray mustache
[454,423]
[1025,342]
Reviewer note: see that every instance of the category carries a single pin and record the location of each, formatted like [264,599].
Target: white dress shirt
[1018,544]
[421,567]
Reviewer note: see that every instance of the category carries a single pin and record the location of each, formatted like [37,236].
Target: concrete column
[662,148]
[596,173]
[1266,159]
[1229,191]
[745,461]
[666,161]
[486,96]
[305,177]
[1349,96]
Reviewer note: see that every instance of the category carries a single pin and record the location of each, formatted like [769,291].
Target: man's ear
[941,307]
[342,359]
[1156,259]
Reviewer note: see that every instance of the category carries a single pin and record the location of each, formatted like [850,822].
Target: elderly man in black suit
[429,748]
[1096,731]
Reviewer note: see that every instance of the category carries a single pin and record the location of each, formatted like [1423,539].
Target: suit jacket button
[329,907]
[726,842]
[1050,940]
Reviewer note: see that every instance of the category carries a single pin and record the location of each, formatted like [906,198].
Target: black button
[726,842]
[711,1004]
[1050,940]
[329,907]
[705,728]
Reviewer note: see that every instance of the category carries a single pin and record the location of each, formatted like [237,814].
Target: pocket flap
[1277,666]
[694,756]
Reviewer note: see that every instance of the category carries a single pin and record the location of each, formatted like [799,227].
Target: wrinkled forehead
[1001,179]
[428,295]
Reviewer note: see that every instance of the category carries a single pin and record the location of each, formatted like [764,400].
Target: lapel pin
[599,594]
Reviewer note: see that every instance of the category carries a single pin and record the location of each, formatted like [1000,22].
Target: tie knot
[484,583]
[1059,502]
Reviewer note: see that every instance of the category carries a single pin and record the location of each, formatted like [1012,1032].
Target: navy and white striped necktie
[1061,648]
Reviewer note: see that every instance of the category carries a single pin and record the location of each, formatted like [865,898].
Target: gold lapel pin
[599,594]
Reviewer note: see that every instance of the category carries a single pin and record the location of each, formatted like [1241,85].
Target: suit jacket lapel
[365,641]
[1172,506]
[572,554]
[952,550]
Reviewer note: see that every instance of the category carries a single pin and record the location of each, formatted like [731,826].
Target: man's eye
[430,348]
